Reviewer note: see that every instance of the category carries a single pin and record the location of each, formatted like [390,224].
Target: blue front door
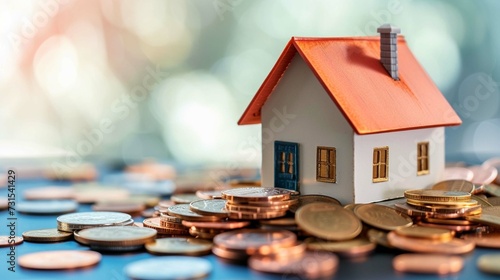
[286,168]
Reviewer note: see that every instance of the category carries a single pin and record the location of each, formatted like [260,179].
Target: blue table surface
[376,266]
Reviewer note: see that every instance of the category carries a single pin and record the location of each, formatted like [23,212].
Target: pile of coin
[256,203]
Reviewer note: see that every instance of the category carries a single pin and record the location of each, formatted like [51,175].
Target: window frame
[423,158]
[378,165]
[329,164]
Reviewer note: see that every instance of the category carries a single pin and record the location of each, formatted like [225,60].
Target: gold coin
[67,259]
[420,245]
[428,263]
[446,212]
[485,219]
[486,240]
[357,247]
[443,204]
[425,232]
[256,194]
[328,221]
[437,195]
[211,207]
[47,235]
[310,198]
[179,246]
[489,263]
[382,217]
[454,185]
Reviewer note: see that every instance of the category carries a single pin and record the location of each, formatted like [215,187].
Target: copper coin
[184,212]
[179,246]
[207,234]
[170,225]
[45,193]
[154,223]
[348,248]
[458,222]
[489,263]
[419,245]
[279,222]
[382,217]
[230,255]
[217,225]
[428,263]
[256,194]
[416,231]
[288,202]
[255,240]
[212,207]
[169,267]
[255,216]
[310,198]
[483,174]
[7,241]
[119,206]
[487,240]
[47,235]
[311,265]
[255,209]
[457,173]
[4,203]
[68,259]
[436,196]
[455,228]
[454,185]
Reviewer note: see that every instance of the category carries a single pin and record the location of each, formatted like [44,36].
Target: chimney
[389,48]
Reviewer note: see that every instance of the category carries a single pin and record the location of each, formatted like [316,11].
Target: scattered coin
[349,248]
[184,212]
[455,186]
[486,240]
[81,220]
[310,198]
[416,231]
[310,265]
[45,193]
[428,263]
[116,236]
[211,207]
[382,217]
[6,241]
[328,221]
[47,235]
[489,263]
[179,246]
[47,207]
[483,174]
[170,267]
[68,259]
[420,245]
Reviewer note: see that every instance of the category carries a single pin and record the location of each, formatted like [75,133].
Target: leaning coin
[46,235]
[7,241]
[184,212]
[454,185]
[328,221]
[211,207]
[420,245]
[325,265]
[46,207]
[486,240]
[382,217]
[310,198]
[171,267]
[428,263]
[179,246]
[67,259]
[489,263]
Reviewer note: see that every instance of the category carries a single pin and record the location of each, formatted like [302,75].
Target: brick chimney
[389,48]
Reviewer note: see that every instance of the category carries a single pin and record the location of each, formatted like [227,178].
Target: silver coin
[82,220]
[257,193]
[117,235]
[184,212]
[174,267]
[47,206]
[214,207]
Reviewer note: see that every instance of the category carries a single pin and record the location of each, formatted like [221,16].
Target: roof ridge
[401,38]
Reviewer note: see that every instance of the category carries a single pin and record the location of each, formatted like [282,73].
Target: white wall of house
[299,110]
[402,163]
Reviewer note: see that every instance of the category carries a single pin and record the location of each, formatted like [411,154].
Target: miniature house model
[354,118]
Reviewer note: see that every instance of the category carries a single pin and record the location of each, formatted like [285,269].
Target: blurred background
[121,81]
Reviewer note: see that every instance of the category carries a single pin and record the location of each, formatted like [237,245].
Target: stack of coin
[115,238]
[166,225]
[239,245]
[256,203]
[83,220]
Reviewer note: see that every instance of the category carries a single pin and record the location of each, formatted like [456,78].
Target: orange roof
[351,73]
